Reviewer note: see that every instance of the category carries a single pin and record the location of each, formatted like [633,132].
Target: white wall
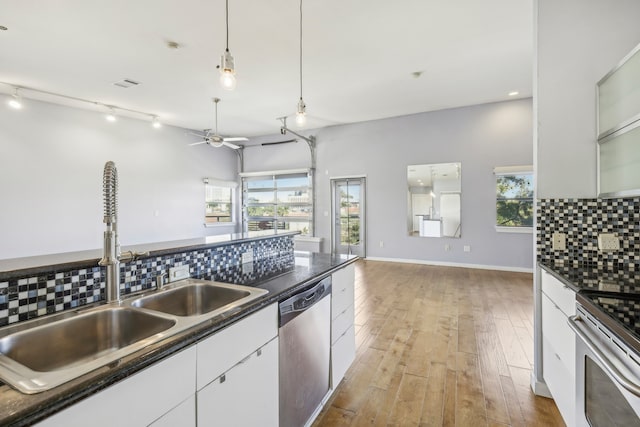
[578,42]
[481,137]
[51,163]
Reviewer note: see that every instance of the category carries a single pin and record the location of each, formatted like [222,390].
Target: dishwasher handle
[304,300]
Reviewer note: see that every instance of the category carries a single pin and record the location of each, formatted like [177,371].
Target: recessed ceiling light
[514,93]
[417,74]
[3,28]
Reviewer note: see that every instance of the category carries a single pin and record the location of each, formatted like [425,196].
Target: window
[278,201]
[514,198]
[219,202]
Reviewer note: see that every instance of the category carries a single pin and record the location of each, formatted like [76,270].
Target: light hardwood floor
[440,346]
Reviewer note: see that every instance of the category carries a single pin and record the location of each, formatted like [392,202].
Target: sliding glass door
[348,216]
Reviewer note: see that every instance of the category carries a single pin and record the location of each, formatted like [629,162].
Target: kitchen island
[281,273]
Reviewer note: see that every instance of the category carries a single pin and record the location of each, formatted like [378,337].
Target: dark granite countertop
[17,409]
[581,277]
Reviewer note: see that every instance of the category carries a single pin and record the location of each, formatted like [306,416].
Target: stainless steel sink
[77,340]
[43,353]
[55,351]
[192,297]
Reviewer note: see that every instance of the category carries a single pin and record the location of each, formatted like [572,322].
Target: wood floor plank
[432,408]
[470,409]
[384,374]
[513,351]
[407,409]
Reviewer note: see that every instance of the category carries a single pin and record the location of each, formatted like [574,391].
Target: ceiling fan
[214,138]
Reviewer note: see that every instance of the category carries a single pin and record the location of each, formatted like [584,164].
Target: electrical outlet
[381,244]
[447,248]
[178,273]
[247,257]
[608,242]
[559,241]
[467,248]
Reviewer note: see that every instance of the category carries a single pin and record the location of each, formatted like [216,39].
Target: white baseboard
[540,388]
[453,264]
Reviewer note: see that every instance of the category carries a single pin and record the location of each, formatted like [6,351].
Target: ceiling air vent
[126,83]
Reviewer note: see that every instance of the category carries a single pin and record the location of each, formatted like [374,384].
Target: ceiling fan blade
[236,139]
[230,145]
[197,143]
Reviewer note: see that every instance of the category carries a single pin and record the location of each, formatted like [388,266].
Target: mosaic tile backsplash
[25,298]
[582,220]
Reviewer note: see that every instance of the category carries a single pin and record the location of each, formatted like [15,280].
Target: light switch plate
[559,242]
[608,242]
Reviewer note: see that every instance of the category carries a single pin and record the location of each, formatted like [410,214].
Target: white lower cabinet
[139,400]
[343,341]
[238,373]
[558,345]
[246,394]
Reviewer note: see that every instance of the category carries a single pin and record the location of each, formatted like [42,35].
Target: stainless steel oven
[607,369]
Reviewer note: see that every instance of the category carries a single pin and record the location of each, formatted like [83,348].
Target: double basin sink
[43,353]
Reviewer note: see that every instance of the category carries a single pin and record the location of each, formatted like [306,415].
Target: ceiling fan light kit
[215,139]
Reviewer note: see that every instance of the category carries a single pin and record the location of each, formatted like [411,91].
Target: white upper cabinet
[619,129]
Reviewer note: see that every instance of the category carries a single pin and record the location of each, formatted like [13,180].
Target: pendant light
[302,108]
[227,70]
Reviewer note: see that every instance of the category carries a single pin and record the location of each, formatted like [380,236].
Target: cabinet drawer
[183,415]
[343,353]
[137,400]
[558,334]
[223,350]
[341,323]
[247,395]
[559,293]
[560,382]
[342,289]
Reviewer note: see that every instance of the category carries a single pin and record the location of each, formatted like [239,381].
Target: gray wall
[51,162]
[578,42]
[481,137]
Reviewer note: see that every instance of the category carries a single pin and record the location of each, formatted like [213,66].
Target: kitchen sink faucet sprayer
[112,257]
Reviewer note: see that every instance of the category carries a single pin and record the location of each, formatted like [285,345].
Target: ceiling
[425,175]
[359,57]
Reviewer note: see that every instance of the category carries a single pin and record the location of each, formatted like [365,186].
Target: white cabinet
[246,394]
[343,342]
[139,400]
[238,373]
[558,344]
[619,129]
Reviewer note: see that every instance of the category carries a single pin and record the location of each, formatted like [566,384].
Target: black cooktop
[619,312]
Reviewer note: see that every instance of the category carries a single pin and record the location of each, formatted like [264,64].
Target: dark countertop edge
[96,381]
[559,276]
[93,262]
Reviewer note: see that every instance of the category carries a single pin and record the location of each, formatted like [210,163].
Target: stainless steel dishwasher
[304,345]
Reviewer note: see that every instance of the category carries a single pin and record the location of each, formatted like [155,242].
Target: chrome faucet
[112,257]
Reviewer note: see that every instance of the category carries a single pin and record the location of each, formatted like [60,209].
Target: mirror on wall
[434,200]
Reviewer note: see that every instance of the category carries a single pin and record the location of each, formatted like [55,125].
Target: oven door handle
[604,356]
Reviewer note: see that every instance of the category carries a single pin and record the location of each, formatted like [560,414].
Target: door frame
[363,214]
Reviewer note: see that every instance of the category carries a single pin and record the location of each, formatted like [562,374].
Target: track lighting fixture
[301,111]
[16,102]
[227,69]
[16,99]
